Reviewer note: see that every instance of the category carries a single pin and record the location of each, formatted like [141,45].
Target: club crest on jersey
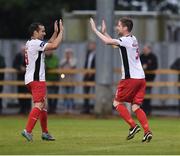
[42,44]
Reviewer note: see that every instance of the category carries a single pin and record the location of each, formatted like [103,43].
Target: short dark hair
[34,27]
[127,22]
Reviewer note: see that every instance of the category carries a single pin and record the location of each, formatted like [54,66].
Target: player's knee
[39,105]
[115,103]
[135,107]
[44,107]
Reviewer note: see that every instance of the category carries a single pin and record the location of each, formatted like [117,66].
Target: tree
[17,15]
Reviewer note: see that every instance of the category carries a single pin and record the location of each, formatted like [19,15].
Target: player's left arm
[54,45]
[103,29]
[54,35]
[103,37]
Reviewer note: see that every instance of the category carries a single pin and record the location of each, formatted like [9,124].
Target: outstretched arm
[103,29]
[54,35]
[56,42]
[105,38]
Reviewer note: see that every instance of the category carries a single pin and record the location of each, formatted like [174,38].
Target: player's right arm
[56,42]
[106,39]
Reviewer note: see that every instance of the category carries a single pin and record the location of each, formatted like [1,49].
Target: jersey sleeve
[40,45]
[123,42]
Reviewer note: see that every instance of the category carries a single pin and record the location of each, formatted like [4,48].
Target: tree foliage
[17,15]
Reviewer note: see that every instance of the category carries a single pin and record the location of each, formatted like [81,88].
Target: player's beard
[120,34]
[43,37]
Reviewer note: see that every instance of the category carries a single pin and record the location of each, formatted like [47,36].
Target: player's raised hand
[61,28]
[103,27]
[93,25]
[56,26]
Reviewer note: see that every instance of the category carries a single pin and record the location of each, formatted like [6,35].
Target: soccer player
[131,88]
[35,75]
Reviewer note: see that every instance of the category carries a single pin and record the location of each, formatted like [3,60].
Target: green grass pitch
[89,136]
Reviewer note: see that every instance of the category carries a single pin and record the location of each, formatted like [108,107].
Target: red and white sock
[141,116]
[32,119]
[124,113]
[43,121]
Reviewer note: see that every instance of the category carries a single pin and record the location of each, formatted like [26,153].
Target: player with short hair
[35,75]
[132,87]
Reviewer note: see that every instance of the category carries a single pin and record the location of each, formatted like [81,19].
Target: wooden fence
[90,96]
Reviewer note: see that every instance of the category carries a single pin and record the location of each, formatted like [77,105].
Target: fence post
[104,62]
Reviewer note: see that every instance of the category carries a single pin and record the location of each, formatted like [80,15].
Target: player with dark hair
[35,75]
[132,87]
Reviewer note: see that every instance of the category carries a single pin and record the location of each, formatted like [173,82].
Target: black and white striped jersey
[35,63]
[129,52]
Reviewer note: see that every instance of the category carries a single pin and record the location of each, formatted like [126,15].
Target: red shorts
[38,90]
[131,90]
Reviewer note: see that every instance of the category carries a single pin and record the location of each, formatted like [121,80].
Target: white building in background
[148,26]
